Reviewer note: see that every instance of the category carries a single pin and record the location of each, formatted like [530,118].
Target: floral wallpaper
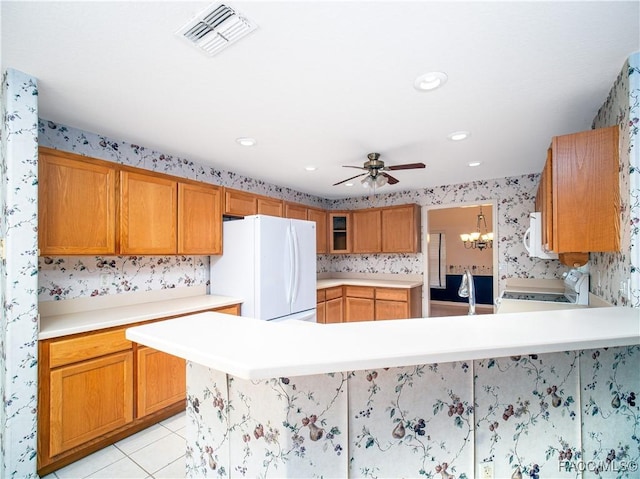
[280,427]
[18,276]
[66,277]
[527,413]
[622,107]
[557,415]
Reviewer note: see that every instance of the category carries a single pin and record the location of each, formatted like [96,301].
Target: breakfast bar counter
[401,398]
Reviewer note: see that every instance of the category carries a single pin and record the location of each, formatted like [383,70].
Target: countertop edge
[266,350]
[95,320]
[379,283]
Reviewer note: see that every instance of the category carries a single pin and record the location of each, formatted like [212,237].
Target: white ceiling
[324,83]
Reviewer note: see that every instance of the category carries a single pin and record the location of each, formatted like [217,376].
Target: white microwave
[533,238]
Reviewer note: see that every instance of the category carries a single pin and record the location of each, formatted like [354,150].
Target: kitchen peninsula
[396,398]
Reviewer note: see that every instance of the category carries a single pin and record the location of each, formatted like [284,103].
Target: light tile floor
[157,452]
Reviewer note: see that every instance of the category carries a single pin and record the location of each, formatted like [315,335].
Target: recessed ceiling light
[458,135]
[246,141]
[430,81]
[310,168]
[474,163]
[348,184]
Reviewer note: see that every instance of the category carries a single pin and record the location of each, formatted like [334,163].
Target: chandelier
[480,239]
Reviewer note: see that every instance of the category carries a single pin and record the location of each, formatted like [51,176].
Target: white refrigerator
[270,263]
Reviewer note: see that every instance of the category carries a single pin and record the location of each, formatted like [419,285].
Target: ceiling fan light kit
[376,174]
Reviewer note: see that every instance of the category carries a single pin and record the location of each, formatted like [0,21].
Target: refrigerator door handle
[296,268]
[292,260]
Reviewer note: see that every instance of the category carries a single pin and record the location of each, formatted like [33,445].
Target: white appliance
[533,238]
[576,294]
[270,263]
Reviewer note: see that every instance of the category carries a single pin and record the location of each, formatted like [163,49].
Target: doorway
[448,257]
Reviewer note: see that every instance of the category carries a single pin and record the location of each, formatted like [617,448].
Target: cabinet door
[339,232]
[239,203]
[366,231]
[401,229]
[269,206]
[199,219]
[544,200]
[584,164]
[359,309]
[161,380]
[320,217]
[321,312]
[333,310]
[391,309]
[77,206]
[89,399]
[294,211]
[148,214]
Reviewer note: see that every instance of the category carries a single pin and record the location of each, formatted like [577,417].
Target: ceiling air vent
[215,28]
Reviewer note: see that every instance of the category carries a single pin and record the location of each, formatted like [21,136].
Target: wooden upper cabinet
[586,191]
[199,219]
[148,214]
[320,217]
[544,203]
[366,231]
[243,203]
[76,204]
[339,232]
[295,211]
[401,229]
[239,203]
[269,206]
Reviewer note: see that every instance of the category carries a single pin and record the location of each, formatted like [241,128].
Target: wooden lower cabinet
[333,310]
[329,305]
[358,309]
[359,303]
[366,303]
[97,388]
[321,316]
[89,399]
[161,380]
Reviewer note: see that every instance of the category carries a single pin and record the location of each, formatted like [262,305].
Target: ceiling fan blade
[358,167]
[390,179]
[353,177]
[408,166]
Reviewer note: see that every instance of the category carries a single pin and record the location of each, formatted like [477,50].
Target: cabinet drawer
[392,294]
[321,295]
[359,292]
[333,293]
[67,351]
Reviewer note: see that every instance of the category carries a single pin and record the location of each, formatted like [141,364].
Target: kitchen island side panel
[547,415]
[279,427]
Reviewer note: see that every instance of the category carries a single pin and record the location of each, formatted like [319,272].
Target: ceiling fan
[376,172]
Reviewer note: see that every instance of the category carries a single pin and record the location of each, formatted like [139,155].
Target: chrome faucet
[467,290]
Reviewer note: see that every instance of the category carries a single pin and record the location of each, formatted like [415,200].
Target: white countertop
[252,349]
[109,311]
[374,283]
